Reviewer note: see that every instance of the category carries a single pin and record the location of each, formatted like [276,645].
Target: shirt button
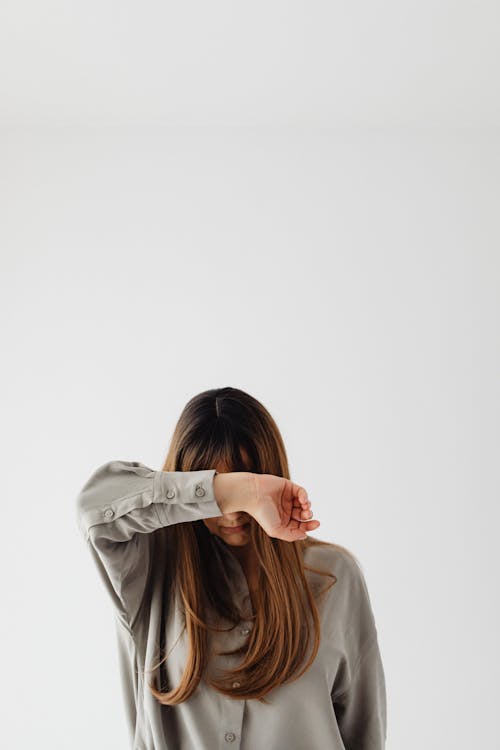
[199,491]
[229,736]
[236,684]
[170,494]
[245,631]
[109,513]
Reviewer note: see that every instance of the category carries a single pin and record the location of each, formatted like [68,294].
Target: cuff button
[170,494]
[199,491]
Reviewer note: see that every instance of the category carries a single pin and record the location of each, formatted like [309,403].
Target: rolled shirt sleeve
[119,507]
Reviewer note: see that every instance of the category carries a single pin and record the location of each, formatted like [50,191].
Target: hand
[281,507]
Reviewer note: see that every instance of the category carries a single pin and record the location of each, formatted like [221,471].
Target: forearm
[235,491]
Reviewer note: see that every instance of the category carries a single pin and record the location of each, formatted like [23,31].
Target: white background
[297,199]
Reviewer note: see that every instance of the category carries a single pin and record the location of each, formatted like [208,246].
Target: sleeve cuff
[192,488]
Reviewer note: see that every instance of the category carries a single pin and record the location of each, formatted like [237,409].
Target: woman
[227,634]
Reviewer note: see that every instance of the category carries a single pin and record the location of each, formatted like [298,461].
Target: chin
[239,539]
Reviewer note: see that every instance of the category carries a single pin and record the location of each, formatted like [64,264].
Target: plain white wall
[351,284]
[339,260]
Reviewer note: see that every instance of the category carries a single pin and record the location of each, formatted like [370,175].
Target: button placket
[232,713]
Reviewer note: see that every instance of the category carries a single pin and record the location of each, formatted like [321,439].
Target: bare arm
[280,506]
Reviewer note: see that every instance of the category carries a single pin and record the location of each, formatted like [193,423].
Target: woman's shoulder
[341,564]
[334,556]
[348,596]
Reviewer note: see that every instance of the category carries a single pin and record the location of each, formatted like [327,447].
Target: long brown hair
[226,426]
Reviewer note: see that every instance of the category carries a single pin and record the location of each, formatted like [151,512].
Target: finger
[304,524]
[299,494]
[302,511]
[309,525]
[302,515]
[302,506]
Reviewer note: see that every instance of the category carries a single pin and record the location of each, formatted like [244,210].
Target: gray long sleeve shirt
[338,703]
